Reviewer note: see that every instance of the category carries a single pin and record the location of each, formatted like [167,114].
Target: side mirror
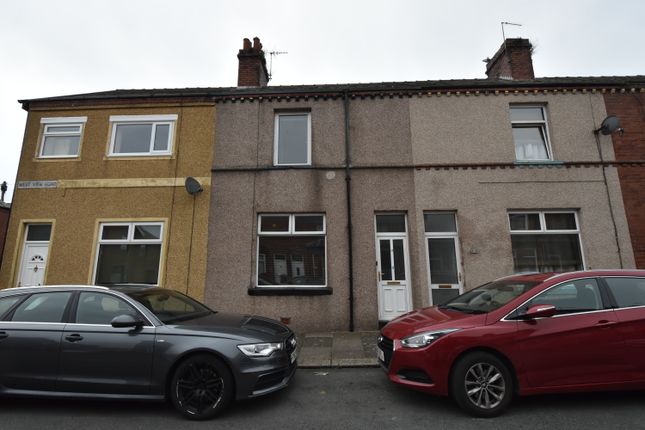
[540,311]
[124,321]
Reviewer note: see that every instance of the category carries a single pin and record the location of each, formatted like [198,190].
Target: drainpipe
[348,190]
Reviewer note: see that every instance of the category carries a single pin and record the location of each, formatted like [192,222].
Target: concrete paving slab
[338,349]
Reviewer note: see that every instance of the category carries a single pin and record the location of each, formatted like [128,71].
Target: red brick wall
[520,65]
[630,109]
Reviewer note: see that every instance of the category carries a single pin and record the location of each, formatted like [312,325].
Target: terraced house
[101,196]
[337,207]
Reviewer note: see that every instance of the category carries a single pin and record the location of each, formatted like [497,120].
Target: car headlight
[424,339]
[260,349]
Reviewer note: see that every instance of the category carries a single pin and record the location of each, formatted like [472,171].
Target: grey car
[133,342]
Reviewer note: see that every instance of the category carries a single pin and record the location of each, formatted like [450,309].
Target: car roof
[57,287]
[541,277]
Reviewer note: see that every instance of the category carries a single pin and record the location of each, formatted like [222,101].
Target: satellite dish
[609,125]
[193,186]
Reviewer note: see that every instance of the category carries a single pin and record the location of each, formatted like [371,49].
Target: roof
[356,89]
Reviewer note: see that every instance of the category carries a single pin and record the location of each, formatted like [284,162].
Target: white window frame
[153,121]
[542,124]
[276,137]
[291,232]
[544,231]
[130,240]
[292,226]
[71,121]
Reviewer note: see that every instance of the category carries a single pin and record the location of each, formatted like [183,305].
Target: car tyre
[482,384]
[201,387]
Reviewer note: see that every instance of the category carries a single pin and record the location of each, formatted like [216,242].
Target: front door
[442,246]
[34,255]
[392,266]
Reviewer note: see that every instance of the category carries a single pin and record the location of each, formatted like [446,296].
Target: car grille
[387,346]
[291,344]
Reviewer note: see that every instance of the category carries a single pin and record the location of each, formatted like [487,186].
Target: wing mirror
[540,311]
[124,321]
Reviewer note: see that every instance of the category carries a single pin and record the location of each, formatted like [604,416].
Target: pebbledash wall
[95,188]
[449,150]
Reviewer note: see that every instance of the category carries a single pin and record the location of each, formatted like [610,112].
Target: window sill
[290,291]
[538,163]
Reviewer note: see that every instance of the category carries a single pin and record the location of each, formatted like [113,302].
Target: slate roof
[356,89]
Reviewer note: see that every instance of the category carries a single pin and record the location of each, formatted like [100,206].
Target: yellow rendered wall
[95,188]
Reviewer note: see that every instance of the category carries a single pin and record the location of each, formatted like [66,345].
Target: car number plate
[293,356]
[380,354]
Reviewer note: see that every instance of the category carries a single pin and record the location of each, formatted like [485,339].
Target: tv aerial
[271,55]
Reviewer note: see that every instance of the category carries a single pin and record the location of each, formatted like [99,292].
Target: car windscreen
[170,306]
[488,297]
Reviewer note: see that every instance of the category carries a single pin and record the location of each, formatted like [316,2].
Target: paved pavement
[338,349]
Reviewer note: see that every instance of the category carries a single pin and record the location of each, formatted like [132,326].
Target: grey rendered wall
[477,129]
[391,136]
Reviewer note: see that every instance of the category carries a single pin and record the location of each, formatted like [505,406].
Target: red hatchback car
[524,334]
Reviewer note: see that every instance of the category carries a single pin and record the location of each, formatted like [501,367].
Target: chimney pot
[252,69]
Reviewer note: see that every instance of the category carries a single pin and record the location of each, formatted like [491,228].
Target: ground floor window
[545,241]
[291,250]
[129,253]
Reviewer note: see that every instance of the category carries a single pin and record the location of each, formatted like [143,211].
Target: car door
[629,296]
[30,335]
[99,358]
[577,345]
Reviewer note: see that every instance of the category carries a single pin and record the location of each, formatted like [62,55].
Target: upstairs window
[61,137]
[141,135]
[530,133]
[292,142]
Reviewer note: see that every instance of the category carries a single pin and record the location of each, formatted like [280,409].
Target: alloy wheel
[485,385]
[199,388]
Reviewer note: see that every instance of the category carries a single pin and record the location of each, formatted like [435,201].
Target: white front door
[33,265]
[34,255]
[444,261]
[393,282]
[393,273]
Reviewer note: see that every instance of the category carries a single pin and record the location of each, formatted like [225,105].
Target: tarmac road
[358,398]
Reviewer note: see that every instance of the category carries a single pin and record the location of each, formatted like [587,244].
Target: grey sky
[60,47]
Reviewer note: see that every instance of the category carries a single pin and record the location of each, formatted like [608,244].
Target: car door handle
[74,337]
[3,335]
[605,323]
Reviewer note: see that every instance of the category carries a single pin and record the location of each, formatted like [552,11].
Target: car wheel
[482,384]
[201,387]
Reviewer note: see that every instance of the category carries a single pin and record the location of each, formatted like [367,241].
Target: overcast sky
[61,47]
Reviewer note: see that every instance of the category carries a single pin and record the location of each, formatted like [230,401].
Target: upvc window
[61,137]
[545,241]
[129,253]
[292,250]
[142,135]
[292,140]
[530,133]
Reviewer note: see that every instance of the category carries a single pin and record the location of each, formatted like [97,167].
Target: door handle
[3,335]
[74,337]
[605,323]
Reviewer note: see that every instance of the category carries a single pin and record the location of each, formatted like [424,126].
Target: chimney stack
[252,70]
[512,61]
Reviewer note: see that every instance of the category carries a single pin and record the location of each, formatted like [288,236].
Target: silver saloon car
[136,342]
